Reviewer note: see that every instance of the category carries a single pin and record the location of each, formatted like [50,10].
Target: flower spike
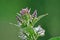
[26,23]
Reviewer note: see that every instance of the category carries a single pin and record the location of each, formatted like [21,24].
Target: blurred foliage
[9,8]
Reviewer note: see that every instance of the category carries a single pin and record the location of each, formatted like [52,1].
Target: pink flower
[26,10]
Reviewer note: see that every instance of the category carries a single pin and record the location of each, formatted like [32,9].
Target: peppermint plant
[26,23]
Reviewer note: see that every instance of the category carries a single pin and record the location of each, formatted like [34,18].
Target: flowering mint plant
[26,23]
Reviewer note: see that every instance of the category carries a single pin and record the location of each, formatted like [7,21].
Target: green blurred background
[9,8]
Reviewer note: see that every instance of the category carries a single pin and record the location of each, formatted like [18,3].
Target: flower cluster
[26,22]
[39,30]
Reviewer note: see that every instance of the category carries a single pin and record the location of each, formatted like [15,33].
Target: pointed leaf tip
[34,13]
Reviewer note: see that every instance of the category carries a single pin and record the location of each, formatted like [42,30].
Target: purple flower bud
[34,14]
[26,10]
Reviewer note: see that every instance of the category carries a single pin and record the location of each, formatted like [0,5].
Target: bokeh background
[9,8]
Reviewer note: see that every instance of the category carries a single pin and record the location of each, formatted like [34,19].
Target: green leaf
[37,19]
[55,38]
